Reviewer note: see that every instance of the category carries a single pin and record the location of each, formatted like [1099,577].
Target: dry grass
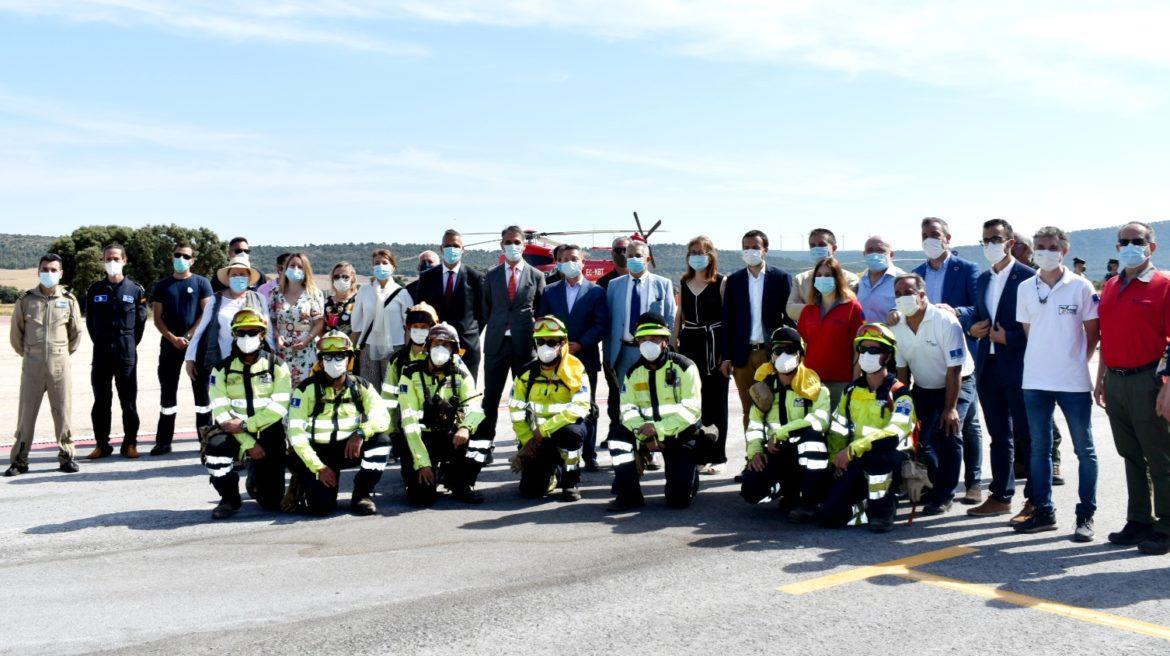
[18,278]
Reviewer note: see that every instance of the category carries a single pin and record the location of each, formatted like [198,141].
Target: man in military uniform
[338,421]
[249,401]
[439,409]
[115,316]
[45,331]
[661,404]
[550,403]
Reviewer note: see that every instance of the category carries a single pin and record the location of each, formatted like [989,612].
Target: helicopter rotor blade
[653,229]
[638,222]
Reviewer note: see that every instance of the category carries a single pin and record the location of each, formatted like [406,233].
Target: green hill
[22,251]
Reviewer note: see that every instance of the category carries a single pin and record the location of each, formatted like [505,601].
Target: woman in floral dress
[339,305]
[297,309]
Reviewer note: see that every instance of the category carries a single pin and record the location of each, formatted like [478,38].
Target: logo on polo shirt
[1067,309]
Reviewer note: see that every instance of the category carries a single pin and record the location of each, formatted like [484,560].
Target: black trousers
[613,400]
[123,371]
[868,480]
[322,499]
[714,400]
[790,474]
[455,468]
[170,371]
[497,368]
[589,447]
[680,455]
[265,476]
[559,451]
[202,385]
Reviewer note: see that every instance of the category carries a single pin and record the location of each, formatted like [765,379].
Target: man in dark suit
[951,285]
[999,365]
[581,305]
[427,260]
[511,294]
[456,292]
[754,305]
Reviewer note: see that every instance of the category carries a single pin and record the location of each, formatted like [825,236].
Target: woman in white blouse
[379,318]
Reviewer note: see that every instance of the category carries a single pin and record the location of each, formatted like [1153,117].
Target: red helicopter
[538,247]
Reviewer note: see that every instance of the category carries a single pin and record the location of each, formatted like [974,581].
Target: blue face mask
[451,254]
[825,284]
[239,284]
[877,261]
[636,264]
[569,270]
[383,271]
[49,280]
[818,253]
[1132,256]
[181,265]
[698,262]
[513,252]
[294,274]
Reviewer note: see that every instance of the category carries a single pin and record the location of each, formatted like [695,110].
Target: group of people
[856,388]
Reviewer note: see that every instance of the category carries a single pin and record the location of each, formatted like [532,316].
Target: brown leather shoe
[1024,514]
[99,452]
[129,450]
[991,508]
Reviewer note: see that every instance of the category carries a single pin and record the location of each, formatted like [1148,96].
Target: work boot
[1057,479]
[591,466]
[129,451]
[1024,515]
[991,508]
[1158,544]
[225,509]
[1132,535]
[973,497]
[622,505]
[1084,531]
[1037,522]
[363,507]
[467,495]
[160,449]
[932,509]
[100,451]
[571,494]
[69,466]
[880,524]
[14,470]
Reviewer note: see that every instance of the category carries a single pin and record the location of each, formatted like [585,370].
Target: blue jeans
[943,453]
[1078,409]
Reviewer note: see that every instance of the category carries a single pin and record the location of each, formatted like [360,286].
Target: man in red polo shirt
[1135,324]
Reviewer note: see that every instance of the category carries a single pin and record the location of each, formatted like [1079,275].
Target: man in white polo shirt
[932,350]
[1058,310]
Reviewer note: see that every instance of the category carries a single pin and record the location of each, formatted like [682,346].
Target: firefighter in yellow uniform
[661,406]
[786,454]
[249,397]
[871,430]
[338,421]
[45,331]
[549,405]
[440,410]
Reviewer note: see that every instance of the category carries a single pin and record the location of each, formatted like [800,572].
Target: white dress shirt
[571,292]
[995,291]
[756,298]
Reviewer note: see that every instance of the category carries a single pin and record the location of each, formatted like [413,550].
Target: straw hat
[241,261]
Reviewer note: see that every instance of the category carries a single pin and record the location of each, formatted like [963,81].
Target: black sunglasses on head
[1136,241]
[871,350]
[185,256]
[548,342]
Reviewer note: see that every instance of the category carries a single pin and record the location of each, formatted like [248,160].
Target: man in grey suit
[511,292]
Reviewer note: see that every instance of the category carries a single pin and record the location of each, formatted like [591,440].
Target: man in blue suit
[628,298]
[754,305]
[999,365]
[951,284]
[581,305]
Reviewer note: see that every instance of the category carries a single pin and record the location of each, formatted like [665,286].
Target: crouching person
[871,428]
[249,396]
[437,403]
[549,407]
[338,421]
[786,452]
[661,403]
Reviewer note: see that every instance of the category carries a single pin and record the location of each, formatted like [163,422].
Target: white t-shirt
[1056,359]
[938,345]
[228,308]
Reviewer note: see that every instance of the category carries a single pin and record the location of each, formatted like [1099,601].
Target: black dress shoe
[69,467]
[13,470]
[1132,535]
[621,505]
[1158,544]
[931,509]
[160,449]
[467,495]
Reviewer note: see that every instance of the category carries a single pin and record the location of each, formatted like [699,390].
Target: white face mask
[419,335]
[335,368]
[1047,260]
[547,353]
[248,343]
[907,305]
[342,284]
[753,256]
[993,252]
[786,362]
[650,350]
[870,362]
[440,355]
[933,247]
[114,268]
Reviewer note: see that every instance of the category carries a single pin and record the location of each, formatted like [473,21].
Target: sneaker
[1037,522]
[14,470]
[932,509]
[571,494]
[363,507]
[1133,534]
[991,508]
[713,470]
[69,467]
[1158,544]
[100,452]
[622,505]
[802,515]
[1057,479]
[225,509]
[1024,515]
[467,495]
[1084,531]
[973,497]
[160,449]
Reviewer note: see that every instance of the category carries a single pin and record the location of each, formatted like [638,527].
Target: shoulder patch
[100,298]
[211,380]
[903,406]
[296,402]
[403,388]
[127,298]
[954,353]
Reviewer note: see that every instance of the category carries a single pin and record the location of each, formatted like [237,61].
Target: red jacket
[829,339]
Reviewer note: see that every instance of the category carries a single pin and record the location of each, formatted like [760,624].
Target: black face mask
[619,259]
[423,268]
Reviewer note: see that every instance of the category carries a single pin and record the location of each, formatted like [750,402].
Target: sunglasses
[619,250]
[871,350]
[788,349]
[1136,241]
[184,256]
[244,251]
[249,332]
[335,357]
[548,342]
[343,276]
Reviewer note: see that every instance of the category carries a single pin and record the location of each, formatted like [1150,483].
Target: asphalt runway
[122,558]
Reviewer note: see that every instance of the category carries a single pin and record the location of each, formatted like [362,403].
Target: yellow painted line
[893,567]
[1035,603]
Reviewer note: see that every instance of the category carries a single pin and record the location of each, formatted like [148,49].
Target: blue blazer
[661,301]
[1010,355]
[960,289]
[737,311]
[588,323]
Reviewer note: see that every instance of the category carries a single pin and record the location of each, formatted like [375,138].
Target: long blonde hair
[309,283]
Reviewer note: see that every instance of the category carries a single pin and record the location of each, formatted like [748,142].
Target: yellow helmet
[876,332]
[421,313]
[651,324]
[549,326]
[249,317]
[334,341]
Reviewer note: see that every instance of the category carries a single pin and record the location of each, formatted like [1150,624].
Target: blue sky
[360,120]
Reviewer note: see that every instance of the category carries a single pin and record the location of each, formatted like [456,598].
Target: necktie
[635,307]
[450,285]
[512,284]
